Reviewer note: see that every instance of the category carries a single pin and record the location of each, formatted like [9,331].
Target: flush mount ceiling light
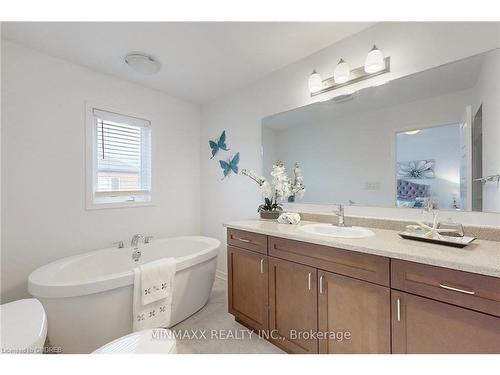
[315,82]
[142,63]
[342,72]
[374,60]
[375,64]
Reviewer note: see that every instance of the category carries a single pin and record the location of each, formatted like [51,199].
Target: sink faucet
[135,240]
[340,214]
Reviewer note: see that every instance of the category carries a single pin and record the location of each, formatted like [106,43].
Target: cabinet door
[354,315]
[422,325]
[293,306]
[247,287]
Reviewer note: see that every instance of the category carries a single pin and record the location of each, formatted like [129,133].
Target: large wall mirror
[433,136]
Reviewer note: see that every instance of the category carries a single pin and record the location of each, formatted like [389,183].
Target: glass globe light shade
[315,82]
[374,61]
[342,72]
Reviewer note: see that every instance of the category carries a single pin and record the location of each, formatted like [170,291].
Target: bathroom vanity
[423,141]
[383,294]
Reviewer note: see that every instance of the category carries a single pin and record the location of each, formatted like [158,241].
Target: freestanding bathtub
[88,297]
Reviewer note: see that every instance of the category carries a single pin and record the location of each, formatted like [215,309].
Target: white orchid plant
[281,189]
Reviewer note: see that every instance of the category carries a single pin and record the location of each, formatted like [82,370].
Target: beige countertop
[482,257]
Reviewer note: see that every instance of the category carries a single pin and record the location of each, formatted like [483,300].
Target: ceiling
[200,60]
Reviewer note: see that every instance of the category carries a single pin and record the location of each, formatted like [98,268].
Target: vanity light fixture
[143,63]
[342,72]
[375,64]
[315,82]
[374,60]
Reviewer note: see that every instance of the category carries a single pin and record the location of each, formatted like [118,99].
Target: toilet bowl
[23,327]
[148,341]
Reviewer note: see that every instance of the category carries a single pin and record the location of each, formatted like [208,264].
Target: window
[119,151]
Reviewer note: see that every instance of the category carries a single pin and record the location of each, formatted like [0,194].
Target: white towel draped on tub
[153,289]
[157,279]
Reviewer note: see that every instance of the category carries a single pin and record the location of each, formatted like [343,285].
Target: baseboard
[221,275]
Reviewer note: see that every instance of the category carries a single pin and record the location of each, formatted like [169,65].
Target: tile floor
[214,321]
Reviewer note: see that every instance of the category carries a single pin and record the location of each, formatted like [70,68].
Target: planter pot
[270,215]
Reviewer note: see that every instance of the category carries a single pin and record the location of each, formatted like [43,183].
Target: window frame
[120,200]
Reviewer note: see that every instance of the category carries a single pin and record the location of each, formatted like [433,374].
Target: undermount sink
[330,230]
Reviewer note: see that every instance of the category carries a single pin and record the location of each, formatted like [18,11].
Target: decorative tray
[439,239]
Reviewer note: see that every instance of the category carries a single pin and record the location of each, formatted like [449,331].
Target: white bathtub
[88,297]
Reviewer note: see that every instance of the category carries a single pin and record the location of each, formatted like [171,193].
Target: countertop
[481,257]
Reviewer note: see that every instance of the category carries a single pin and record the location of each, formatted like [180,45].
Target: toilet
[23,330]
[23,327]
[148,341]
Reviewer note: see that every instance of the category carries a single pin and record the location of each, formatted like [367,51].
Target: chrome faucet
[340,214]
[136,254]
[135,240]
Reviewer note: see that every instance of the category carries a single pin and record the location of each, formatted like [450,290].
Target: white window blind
[122,154]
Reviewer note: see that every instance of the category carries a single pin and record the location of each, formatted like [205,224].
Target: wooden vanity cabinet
[465,289]
[439,310]
[350,302]
[359,309]
[293,306]
[248,287]
[288,294]
[368,267]
[425,326]
[362,303]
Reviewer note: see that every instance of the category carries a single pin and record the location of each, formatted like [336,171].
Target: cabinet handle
[470,292]
[262,266]
[398,303]
[309,280]
[244,240]
[321,284]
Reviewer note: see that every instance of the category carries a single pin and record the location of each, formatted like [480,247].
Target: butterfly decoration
[230,165]
[220,144]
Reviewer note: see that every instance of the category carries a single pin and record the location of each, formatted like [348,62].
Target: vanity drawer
[344,262]
[473,291]
[247,240]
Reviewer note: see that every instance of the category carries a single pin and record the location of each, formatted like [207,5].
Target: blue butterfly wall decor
[230,165]
[219,144]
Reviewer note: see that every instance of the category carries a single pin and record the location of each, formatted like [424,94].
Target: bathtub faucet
[136,255]
[135,240]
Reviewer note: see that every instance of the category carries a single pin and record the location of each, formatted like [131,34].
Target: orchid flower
[281,188]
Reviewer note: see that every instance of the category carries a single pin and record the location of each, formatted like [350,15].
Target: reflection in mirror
[428,165]
[431,136]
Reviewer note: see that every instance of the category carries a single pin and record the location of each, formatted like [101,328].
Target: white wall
[412,46]
[43,155]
